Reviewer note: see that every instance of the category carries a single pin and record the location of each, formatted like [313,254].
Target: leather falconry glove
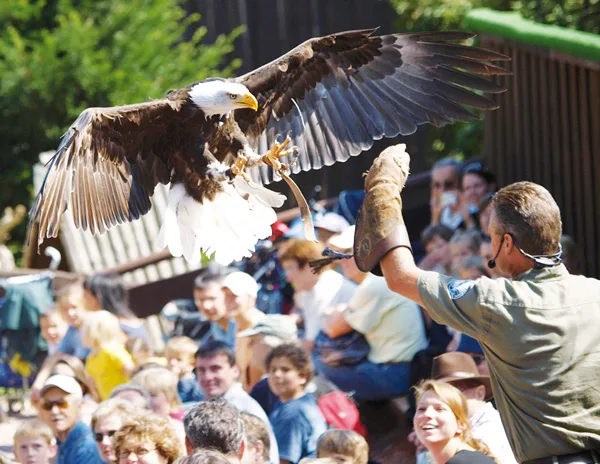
[380,226]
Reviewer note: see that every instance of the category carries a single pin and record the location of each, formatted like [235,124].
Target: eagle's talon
[237,169]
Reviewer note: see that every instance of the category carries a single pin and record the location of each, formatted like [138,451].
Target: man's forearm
[401,273]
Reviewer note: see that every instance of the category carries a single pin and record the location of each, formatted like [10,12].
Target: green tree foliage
[58,57]
[583,15]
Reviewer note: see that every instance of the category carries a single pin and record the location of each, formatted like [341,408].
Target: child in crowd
[53,328]
[69,301]
[487,253]
[296,420]
[472,268]
[180,353]
[109,363]
[436,240]
[34,443]
[344,446]
[463,245]
[142,353]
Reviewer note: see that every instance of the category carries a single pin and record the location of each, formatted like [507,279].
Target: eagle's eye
[233,96]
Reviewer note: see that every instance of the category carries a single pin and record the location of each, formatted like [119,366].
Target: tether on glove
[380,225]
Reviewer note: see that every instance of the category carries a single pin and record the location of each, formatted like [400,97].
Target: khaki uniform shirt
[540,333]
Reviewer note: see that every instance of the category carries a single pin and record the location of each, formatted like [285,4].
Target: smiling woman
[441,424]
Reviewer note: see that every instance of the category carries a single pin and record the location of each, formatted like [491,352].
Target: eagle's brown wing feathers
[106,167]
[336,94]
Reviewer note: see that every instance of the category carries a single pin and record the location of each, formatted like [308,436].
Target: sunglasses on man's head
[60,404]
[100,436]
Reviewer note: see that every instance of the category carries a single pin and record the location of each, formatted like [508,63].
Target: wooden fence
[547,130]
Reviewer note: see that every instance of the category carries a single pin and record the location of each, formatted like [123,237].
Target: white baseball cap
[241,284]
[65,383]
[343,241]
[332,222]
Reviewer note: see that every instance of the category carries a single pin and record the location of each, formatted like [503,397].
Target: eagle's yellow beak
[248,100]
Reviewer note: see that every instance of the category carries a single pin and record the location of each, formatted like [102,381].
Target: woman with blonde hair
[106,421]
[109,363]
[442,425]
[148,439]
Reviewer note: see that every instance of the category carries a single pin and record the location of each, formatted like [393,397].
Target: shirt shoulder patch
[458,288]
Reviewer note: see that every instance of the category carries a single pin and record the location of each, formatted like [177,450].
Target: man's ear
[53,450]
[242,449]
[480,392]
[259,446]
[188,447]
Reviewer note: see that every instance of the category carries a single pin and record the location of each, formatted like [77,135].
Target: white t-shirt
[391,323]
[331,289]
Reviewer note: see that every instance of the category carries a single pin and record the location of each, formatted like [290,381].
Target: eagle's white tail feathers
[229,226]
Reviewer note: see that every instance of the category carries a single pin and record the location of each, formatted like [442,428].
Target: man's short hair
[256,430]
[450,161]
[296,355]
[203,456]
[215,424]
[213,273]
[215,348]
[136,388]
[32,430]
[529,212]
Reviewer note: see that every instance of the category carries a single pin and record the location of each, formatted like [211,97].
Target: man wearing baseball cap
[460,370]
[59,408]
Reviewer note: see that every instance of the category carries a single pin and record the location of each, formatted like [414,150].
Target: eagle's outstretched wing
[336,94]
[106,167]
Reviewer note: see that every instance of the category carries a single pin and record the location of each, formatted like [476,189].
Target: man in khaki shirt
[539,329]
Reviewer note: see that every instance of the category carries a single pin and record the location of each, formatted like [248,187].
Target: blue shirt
[189,389]
[79,447]
[72,344]
[216,333]
[298,424]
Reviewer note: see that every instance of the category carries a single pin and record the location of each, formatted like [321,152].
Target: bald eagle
[216,141]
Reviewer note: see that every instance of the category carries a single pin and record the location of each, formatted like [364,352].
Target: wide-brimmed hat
[454,366]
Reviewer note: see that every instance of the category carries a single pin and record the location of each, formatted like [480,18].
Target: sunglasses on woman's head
[60,404]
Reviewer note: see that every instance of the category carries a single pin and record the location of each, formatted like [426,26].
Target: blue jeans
[368,381]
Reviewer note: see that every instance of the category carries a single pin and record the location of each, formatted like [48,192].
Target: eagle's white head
[220,97]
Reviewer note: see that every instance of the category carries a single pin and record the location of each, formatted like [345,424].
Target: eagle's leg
[237,169]
[276,152]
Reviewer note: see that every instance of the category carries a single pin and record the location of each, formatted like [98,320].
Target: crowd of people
[238,384]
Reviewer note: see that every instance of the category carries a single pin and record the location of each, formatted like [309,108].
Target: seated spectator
[444,200]
[108,292]
[459,370]
[70,303]
[297,420]
[134,394]
[149,439]
[344,446]
[485,211]
[218,375]
[142,353]
[161,383]
[241,291]
[442,426]
[476,183]
[487,254]
[436,240]
[53,328]
[59,409]
[463,245]
[217,425]
[258,443]
[204,456]
[64,364]
[209,298]
[109,363]
[328,225]
[34,443]
[181,360]
[315,293]
[391,324]
[472,268]
[106,421]
[270,332]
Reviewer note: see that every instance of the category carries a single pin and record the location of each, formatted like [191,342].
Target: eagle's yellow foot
[237,169]
[278,151]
